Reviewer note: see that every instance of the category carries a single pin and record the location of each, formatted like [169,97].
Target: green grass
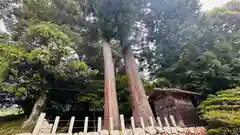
[13,127]
[10,111]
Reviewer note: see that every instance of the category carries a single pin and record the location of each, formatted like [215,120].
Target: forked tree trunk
[140,103]
[36,110]
[110,95]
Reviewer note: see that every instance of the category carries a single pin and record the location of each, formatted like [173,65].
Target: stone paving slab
[139,131]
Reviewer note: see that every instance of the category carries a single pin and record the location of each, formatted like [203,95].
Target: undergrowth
[222,112]
[13,127]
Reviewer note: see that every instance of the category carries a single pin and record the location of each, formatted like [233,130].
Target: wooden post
[71,125]
[159,122]
[151,121]
[99,124]
[39,124]
[85,125]
[142,122]
[172,120]
[132,122]
[111,123]
[166,121]
[55,125]
[122,122]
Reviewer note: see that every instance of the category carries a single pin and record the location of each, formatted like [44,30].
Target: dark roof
[176,91]
[157,91]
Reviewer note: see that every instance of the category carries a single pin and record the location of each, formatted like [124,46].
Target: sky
[210,4]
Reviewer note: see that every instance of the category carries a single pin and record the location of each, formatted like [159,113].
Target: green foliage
[57,11]
[116,21]
[47,35]
[10,111]
[162,83]
[190,51]
[9,52]
[123,95]
[58,52]
[225,18]
[96,99]
[172,30]
[221,111]
[49,32]
[14,60]
[48,55]
[50,35]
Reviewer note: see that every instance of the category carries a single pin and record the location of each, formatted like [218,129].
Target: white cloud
[210,4]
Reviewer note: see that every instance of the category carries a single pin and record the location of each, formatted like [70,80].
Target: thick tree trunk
[110,95]
[140,103]
[36,110]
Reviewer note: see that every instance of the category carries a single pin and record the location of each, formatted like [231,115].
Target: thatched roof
[158,91]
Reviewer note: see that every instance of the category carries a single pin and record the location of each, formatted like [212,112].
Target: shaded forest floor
[11,125]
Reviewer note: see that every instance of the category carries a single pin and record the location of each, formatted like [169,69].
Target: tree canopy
[53,51]
[190,50]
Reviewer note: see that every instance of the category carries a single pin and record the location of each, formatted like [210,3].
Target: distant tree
[226,17]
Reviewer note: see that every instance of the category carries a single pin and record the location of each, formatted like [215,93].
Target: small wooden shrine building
[176,102]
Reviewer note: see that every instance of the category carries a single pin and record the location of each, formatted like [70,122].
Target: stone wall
[152,131]
[140,131]
[159,129]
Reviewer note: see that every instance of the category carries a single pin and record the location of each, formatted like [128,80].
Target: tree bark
[36,111]
[110,95]
[140,103]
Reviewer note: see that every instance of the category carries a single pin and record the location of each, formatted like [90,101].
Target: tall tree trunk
[110,95]
[36,110]
[140,103]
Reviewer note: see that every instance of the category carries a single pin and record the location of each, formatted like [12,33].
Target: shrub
[222,112]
